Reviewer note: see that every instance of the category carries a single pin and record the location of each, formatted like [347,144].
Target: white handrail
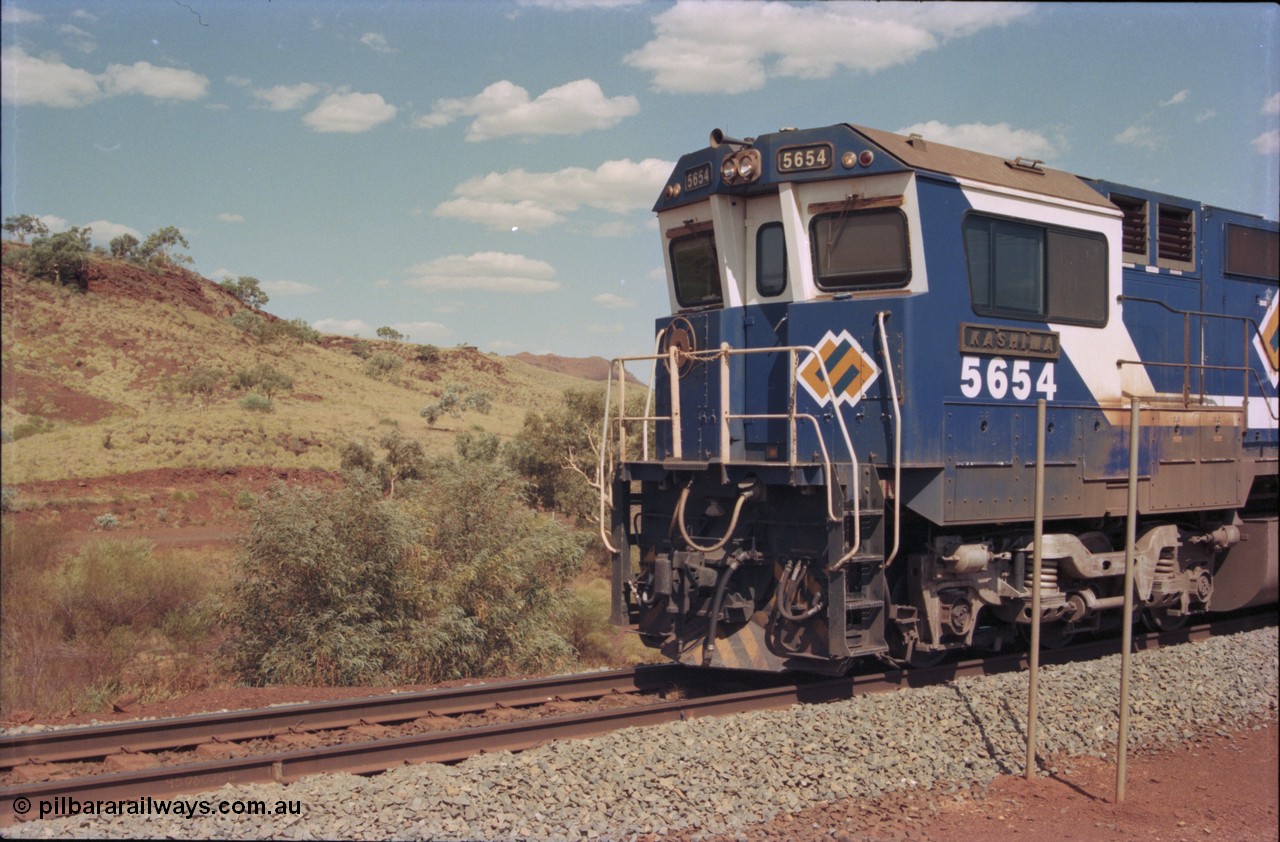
[897,439]
[673,359]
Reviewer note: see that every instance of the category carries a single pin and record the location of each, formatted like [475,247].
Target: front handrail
[674,358]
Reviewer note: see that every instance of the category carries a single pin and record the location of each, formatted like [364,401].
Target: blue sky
[482,172]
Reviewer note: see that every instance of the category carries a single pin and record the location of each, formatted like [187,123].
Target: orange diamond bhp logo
[1267,340]
[851,370]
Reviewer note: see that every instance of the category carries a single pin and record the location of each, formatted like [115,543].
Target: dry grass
[114,618]
[126,358]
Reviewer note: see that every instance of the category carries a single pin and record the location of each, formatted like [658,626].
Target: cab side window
[771,260]
[1025,271]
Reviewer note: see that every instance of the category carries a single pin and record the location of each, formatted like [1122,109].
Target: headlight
[748,166]
[729,170]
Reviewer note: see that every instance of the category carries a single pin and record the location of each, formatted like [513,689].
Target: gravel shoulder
[931,763]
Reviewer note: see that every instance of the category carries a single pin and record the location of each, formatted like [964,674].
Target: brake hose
[716,603]
[684,532]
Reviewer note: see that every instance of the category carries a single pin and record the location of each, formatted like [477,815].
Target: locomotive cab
[837,457]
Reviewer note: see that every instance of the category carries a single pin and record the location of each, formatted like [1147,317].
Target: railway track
[371,755]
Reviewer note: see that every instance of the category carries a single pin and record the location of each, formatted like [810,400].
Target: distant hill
[586,368]
[102,381]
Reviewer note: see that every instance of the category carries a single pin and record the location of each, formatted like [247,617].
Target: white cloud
[12,14]
[80,40]
[145,78]
[1267,143]
[286,97]
[285,289]
[1206,115]
[504,109]
[610,301]
[500,216]
[343,327]
[1137,136]
[1272,104]
[485,272]
[724,47]
[422,331]
[376,42]
[230,217]
[54,223]
[349,113]
[998,139]
[104,232]
[1177,99]
[615,186]
[27,80]
[575,5]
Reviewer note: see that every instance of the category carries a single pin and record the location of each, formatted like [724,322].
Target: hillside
[96,384]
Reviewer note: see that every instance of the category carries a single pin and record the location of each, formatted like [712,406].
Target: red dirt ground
[1219,788]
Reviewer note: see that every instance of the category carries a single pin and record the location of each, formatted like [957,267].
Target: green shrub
[202,381]
[249,322]
[296,330]
[350,587]
[106,521]
[264,378]
[428,354]
[257,403]
[326,589]
[454,401]
[111,584]
[383,365]
[33,426]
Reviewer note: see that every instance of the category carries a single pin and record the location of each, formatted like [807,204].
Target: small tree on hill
[454,402]
[158,248]
[390,333]
[60,257]
[248,290]
[405,460]
[202,382]
[24,225]
[123,246]
[263,378]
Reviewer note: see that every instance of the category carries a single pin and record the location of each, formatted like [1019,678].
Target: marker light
[866,157]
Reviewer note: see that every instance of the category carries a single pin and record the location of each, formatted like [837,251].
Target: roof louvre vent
[1026,164]
[917,141]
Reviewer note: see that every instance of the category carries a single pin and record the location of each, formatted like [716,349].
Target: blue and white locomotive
[837,460]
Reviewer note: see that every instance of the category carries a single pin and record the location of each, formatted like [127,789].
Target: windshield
[860,249]
[696,270]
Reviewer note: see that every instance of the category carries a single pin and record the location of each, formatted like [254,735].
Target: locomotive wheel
[1052,635]
[1160,619]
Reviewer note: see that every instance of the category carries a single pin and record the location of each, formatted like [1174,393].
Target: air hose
[792,575]
[716,604]
[733,521]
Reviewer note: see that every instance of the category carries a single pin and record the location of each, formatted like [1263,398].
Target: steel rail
[450,746]
[97,741]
